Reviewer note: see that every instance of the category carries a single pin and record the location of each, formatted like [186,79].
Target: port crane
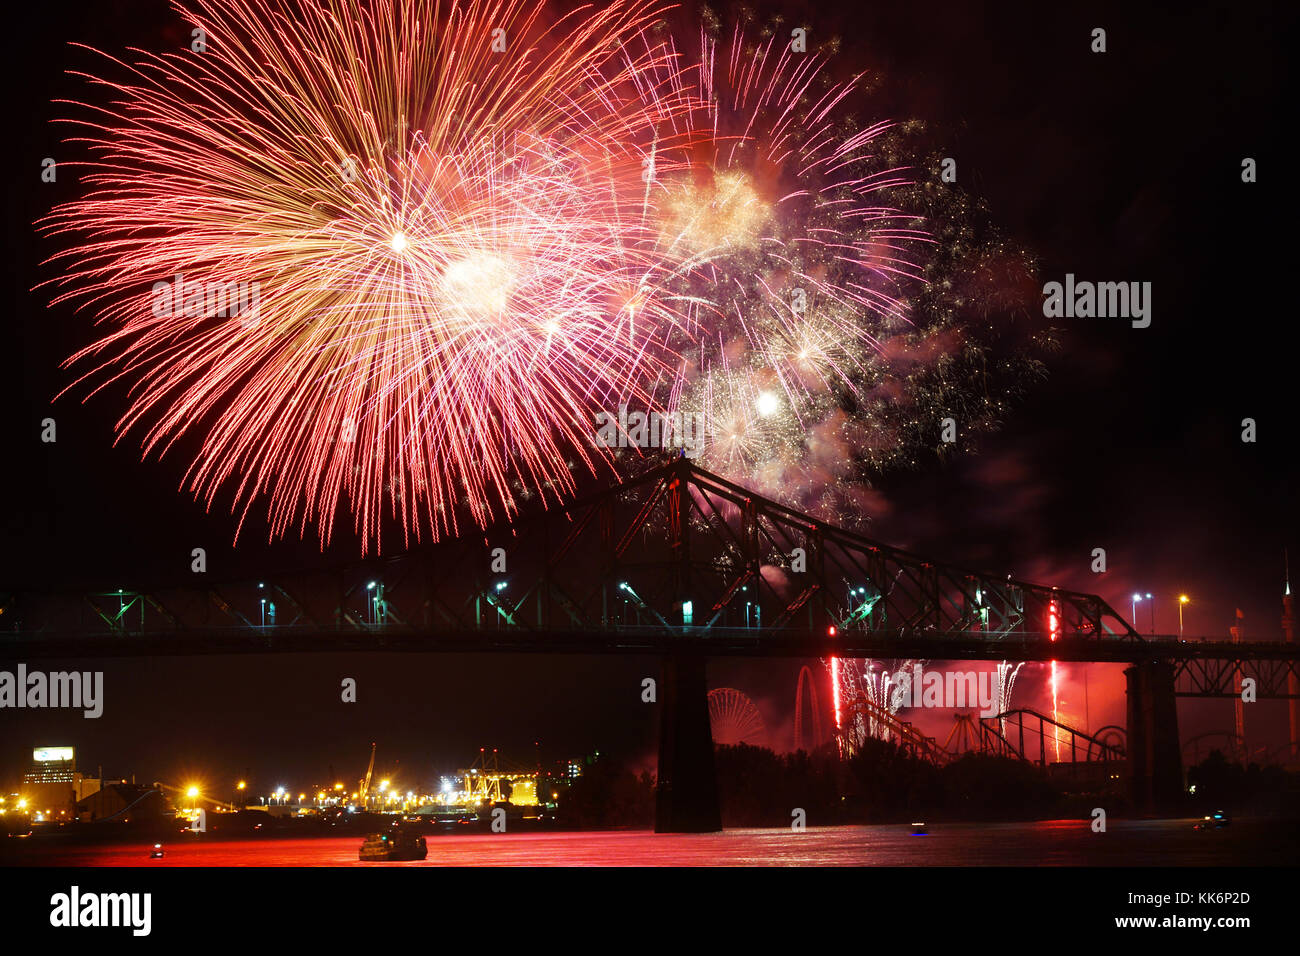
[365,784]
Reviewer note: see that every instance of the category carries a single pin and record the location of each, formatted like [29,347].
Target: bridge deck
[719,642]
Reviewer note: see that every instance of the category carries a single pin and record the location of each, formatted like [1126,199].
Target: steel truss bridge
[677,562]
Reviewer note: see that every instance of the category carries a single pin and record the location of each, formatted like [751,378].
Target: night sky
[1116,167]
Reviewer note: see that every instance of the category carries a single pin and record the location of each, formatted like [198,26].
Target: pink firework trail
[457,232]
[440,213]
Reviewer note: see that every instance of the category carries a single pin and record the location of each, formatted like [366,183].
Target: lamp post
[1153,612]
[1134,615]
[1182,599]
[501,611]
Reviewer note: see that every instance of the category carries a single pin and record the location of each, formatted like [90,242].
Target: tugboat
[394,846]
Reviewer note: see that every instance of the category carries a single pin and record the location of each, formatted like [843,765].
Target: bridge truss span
[674,555]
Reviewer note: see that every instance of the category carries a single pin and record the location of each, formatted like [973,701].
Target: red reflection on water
[1054,842]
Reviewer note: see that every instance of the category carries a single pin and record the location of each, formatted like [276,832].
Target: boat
[1217,821]
[393,846]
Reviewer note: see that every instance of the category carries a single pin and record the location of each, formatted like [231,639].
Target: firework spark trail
[780,173]
[1053,632]
[463,256]
[446,242]
[858,682]
[775,243]
[1056,714]
[835,692]
[1006,684]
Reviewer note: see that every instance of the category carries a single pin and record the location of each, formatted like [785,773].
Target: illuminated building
[53,785]
[571,769]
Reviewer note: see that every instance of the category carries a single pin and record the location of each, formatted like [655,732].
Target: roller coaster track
[1021,734]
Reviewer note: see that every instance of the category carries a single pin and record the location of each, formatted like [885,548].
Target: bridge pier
[1154,757]
[686,797]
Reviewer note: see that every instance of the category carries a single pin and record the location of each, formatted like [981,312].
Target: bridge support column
[1154,757]
[686,798]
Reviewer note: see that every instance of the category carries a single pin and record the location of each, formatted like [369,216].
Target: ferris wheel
[734,719]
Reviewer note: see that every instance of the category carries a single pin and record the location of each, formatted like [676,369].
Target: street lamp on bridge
[1182,599]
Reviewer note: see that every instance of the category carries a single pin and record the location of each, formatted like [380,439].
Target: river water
[1049,843]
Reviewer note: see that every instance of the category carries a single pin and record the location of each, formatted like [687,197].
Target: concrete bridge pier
[686,798]
[1154,756]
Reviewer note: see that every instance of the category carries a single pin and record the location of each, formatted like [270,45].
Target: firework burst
[439,214]
[821,260]
[780,251]
[458,233]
